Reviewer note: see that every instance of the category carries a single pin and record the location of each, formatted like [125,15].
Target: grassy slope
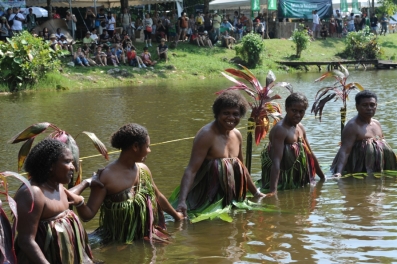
[192,62]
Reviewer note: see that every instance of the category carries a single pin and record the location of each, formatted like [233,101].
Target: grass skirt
[370,155]
[62,239]
[296,167]
[136,217]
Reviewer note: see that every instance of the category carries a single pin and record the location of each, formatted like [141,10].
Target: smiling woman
[49,164]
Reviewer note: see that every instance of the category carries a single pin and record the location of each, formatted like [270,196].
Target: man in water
[288,161]
[216,169]
[364,148]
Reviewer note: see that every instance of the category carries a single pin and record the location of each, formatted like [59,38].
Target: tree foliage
[250,49]
[362,45]
[25,59]
[388,7]
[301,39]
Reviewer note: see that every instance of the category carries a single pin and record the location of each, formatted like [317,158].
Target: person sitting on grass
[260,28]
[94,36]
[88,41]
[116,38]
[104,37]
[324,30]
[196,39]
[206,40]
[111,57]
[133,59]
[229,40]
[125,41]
[147,57]
[65,44]
[80,59]
[54,44]
[309,33]
[162,50]
[100,57]
[59,34]
[119,52]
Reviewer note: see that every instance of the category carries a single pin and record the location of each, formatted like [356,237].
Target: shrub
[250,49]
[25,59]
[361,45]
[301,39]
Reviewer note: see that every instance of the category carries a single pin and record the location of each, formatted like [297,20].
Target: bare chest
[224,147]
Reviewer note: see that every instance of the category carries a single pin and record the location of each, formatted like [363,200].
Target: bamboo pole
[248,154]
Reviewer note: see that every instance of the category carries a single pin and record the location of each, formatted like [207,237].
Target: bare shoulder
[301,127]
[144,167]
[278,131]
[352,125]
[24,196]
[237,133]
[376,122]
[206,133]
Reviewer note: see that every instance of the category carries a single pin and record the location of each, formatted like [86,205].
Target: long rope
[239,128]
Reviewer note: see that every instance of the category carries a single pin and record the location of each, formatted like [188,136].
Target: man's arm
[201,146]
[277,140]
[349,136]
[319,172]
[28,222]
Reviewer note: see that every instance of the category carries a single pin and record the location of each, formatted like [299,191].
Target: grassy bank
[191,62]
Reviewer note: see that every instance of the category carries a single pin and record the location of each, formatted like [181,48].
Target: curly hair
[365,94]
[42,157]
[229,99]
[296,98]
[127,135]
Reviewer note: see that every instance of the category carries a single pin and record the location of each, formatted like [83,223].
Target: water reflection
[338,222]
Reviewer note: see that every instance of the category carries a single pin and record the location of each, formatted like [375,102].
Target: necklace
[51,187]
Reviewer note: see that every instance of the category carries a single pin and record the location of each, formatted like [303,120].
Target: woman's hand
[74,199]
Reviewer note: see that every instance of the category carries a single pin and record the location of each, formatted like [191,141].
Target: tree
[388,7]
[123,4]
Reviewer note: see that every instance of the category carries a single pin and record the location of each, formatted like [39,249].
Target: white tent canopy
[225,4]
[362,3]
[88,3]
[234,4]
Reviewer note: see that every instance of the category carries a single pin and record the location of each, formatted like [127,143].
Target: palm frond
[29,132]
[319,106]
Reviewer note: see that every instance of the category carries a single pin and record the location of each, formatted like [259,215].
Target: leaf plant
[7,233]
[339,90]
[264,109]
[29,134]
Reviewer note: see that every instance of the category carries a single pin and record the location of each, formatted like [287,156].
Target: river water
[350,221]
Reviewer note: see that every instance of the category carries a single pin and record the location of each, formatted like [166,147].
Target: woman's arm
[163,202]
[28,222]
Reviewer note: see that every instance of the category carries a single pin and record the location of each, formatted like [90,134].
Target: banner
[5,4]
[355,8]
[272,4]
[343,6]
[255,5]
[304,8]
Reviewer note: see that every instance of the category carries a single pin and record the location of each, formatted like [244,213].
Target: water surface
[353,221]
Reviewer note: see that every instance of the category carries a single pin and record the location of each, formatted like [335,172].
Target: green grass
[189,62]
